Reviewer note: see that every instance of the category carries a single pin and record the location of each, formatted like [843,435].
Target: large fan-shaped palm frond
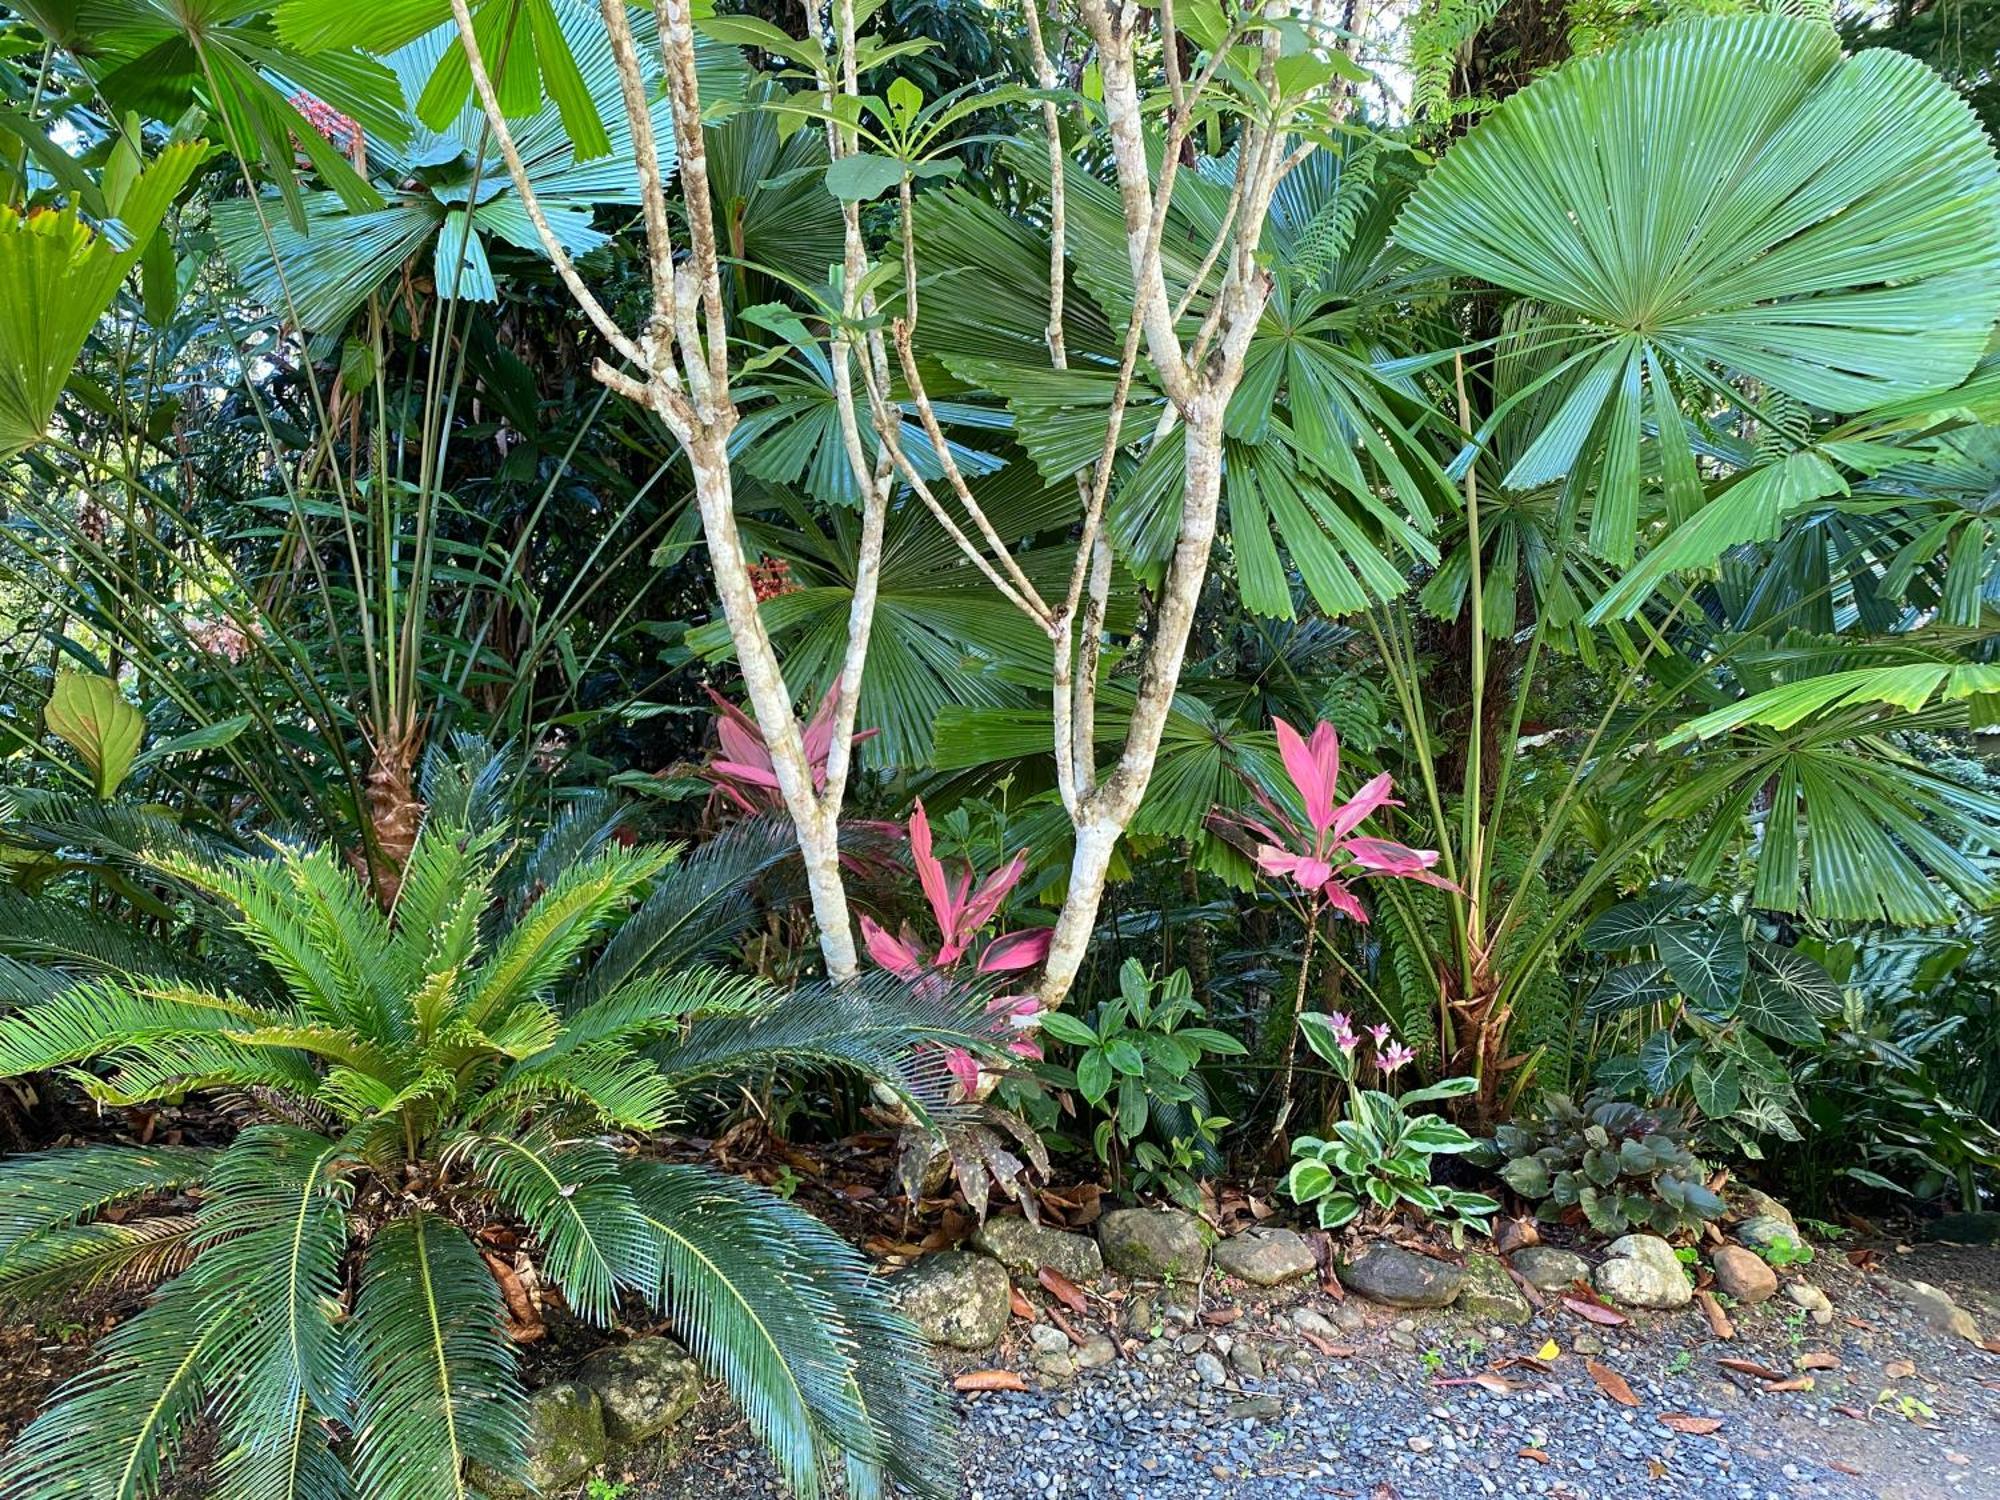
[1725,198]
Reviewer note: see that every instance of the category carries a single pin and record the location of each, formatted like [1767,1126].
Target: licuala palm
[411,1080]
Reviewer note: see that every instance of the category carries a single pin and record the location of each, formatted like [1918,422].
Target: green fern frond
[787,1315]
[447,887]
[48,1189]
[77,1257]
[99,1016]
[612,1087]
[108,1434]
[700,906]
[654,1005]
[168,1066]
[435,1386]
[347,929]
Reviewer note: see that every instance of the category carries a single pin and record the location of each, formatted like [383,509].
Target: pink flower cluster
[1389,1055]
[962,912]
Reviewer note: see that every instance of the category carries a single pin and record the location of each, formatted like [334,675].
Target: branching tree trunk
[678,367]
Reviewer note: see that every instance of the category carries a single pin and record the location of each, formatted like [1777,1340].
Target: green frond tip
[787,1315]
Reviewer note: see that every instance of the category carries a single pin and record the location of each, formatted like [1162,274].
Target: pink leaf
[930,873]
[1386,858]
[737,770]
[1306,870]
[892,953]
[1314,766]
[1017,950]
[985,901]
[1375,794]
[1342,900]
[963,1068]
[1026,1046]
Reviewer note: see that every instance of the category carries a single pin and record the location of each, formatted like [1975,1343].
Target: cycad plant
[417,1086]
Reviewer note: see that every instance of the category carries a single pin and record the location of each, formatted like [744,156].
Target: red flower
[962,911]
[1325,854]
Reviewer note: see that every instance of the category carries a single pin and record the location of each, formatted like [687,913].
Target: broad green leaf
[862,176]
[1707,963]
[92,717]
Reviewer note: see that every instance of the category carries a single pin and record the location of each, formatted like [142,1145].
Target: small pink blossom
[1380,1034]
[1394,1056]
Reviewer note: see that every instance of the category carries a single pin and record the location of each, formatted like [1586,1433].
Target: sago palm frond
[434,1379]
[775,1304]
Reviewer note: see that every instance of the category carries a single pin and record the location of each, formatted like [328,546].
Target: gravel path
[1374,1420]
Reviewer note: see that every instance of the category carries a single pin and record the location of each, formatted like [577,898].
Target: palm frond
[77,1257]
[99,1017]
[887,1030]
[573,1194]
[50,1189]
[434,1380]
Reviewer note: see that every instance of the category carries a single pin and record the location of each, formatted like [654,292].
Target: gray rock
[1208,1369]
[565,1442]
[955,1299]
[1743,1274]
[1097,1351]
[1761,1205]
[1045,1339]
[1139,1317]
[1587,1343]
[1266,1257]
[1811,1298]
[1307,1321]
[1489,1293]
[1160,1244]
[644,1387]
[1396,1277]
[1246,1360]
[1761,1231]
[1025,1248]
[1548,1269]
[1641,1270]
[1254,1409]
[1936,1308]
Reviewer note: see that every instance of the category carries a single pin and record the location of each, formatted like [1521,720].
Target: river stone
[1743,1274]
[1489,1294]
[1396,1277]
[1025,1248]
[1812,1299]
[565,1442]
[1548,1269]
[1160,1244]
[1761,1231]
[1266,1257]
[644,1387]
[1936,1308]
[1754,1204]
[1641,1270]
[955,1299]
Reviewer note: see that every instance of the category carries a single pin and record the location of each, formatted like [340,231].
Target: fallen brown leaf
[1060,1287]
[1325,1346]
[1220,1317]
[1524,1362]
[1693,1426]
[1535,1454]
[1510,1235]
[1021,1306]
[1751,1367]
[989,1380]
[1852,1411]
[1486,1380]
[1718,1320]
[1595,1312]
[1056,1317]
[1818,1359]
[1611,1383]
[1793,1383]
[1843,1468]
[1899,1369]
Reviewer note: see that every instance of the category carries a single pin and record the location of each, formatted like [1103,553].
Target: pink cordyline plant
[1322,857]
[743,771]
[1326,854]
[963,911]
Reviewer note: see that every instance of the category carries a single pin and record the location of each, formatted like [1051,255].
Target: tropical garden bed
[929,748]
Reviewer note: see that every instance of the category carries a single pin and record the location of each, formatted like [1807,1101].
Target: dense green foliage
[1605,467]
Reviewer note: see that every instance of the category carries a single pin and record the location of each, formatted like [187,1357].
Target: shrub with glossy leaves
[1619,1165]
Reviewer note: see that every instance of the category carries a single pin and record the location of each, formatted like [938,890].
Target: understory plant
[1710,997]
[423,1092]
[1136,1066]
[1380,1154]
[1615,1164]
